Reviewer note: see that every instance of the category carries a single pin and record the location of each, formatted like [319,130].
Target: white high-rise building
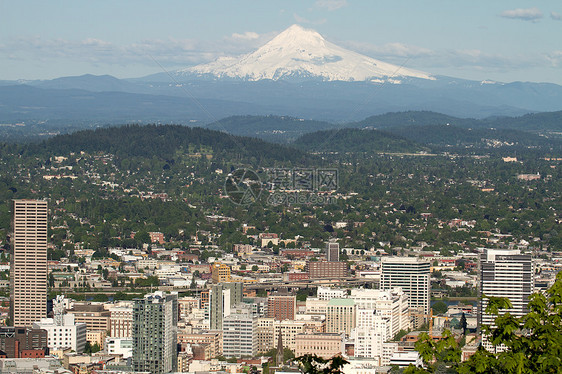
[504,273]
[389,304]
[371,332]
[28,275]
[413,276]
[62,330]
[239,333]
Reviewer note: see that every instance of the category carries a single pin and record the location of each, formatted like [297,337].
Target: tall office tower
[28,280]
[281,307]
[155,319]
[413,276]
[332,252]
[504,273]
[222,297]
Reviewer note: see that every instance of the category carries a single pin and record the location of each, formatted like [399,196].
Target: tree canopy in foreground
[533,342]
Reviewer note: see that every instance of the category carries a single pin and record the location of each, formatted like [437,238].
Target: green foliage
[271,128]
[533,342]
[89,348]
[150,281]
[162,141]
[439,307]
[312,364]
[399,335]
[356,140]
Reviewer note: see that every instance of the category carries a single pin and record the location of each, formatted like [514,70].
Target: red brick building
[281,307]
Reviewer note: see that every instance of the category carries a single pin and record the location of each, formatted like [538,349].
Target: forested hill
[547,121]
[270,128]
[453,136]
[356,140]
[164,141]
[413,118]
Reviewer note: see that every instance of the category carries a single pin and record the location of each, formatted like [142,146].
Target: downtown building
[121,320]
[413,277]
[281,307]
[332,251]
[155,319]
[504,273]
[391,305]
[63,331]
[223,297]
[269,330]
[340,316]
[28,268]
[239,333]
[23,342]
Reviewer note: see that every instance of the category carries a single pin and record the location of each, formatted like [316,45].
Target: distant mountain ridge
[297,74]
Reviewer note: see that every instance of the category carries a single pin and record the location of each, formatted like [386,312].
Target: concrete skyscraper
[28,278]
[504,273]
[223,297]
[155,320]
[332,252]
[413,276]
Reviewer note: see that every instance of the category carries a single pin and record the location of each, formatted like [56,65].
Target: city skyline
[503,41]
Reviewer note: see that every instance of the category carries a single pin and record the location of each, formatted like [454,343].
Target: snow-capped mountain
[299,52]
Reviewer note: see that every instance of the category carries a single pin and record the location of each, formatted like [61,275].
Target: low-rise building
[325,345]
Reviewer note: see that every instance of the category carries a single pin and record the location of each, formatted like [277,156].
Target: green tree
[439,307]
[312,364]
[533,342]
[463,324]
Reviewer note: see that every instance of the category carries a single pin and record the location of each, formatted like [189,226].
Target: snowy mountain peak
[298,36]
[300,52]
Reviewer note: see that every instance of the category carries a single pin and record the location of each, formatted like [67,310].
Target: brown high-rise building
[323,269]
[28,278]
[281,307]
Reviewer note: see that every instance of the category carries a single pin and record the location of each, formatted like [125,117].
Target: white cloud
[388,50]
[529,14]
[248,35]
[556,16]
[300,19]
[330,4]
[169,52]
[555,58]
[417,57]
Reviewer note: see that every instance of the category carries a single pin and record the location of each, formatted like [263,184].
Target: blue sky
[498,40]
